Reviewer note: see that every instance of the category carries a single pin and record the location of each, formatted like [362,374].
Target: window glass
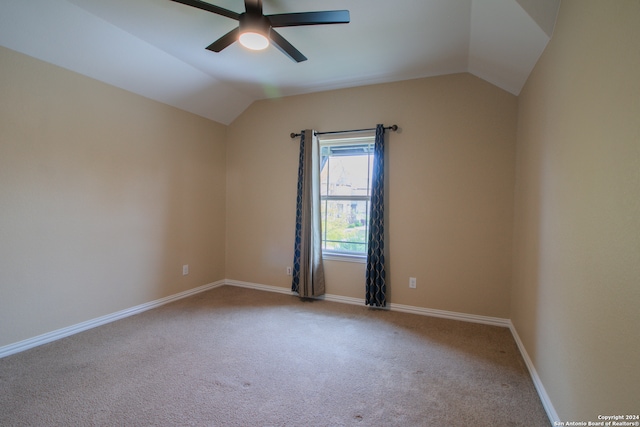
[345,179]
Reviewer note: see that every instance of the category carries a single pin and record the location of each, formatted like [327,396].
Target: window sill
[360,259]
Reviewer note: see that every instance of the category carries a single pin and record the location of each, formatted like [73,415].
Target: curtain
[308,271]
[375,272]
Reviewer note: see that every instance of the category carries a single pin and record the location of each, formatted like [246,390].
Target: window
[345,191]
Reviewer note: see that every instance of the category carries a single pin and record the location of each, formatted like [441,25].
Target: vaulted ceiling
[156,48]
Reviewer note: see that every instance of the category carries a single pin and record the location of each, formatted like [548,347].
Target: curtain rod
[392,127]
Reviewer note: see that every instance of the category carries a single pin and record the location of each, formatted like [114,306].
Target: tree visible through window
[345,191]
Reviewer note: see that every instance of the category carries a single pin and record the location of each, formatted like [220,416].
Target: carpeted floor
[240,357]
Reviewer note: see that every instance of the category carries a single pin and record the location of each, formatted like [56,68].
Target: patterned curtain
[375,273]
[308,271]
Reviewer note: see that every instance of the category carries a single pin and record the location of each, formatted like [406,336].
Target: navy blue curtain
[376,287]
[308,270]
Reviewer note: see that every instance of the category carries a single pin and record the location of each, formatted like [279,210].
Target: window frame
[362,138]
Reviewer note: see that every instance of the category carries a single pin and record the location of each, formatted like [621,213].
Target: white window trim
[363,137]
[344,257]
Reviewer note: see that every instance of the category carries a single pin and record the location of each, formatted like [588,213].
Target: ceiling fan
[256,29]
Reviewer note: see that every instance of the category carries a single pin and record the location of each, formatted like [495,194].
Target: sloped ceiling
[156,48]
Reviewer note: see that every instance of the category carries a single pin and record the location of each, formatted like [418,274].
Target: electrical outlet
[412,282]
[288,271]
[185,269]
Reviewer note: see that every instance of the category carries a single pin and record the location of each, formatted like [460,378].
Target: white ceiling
[156,48]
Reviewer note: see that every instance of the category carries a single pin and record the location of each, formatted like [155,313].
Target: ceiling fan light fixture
[253,40]
[254,31]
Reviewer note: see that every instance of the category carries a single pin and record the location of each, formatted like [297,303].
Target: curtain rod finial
[293,135]
[394,128]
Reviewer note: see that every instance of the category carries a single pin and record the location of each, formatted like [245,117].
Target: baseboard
[287,291]
[452,315]
[544,397]
[343,300]
[258,286]
[89,324]
[495,321]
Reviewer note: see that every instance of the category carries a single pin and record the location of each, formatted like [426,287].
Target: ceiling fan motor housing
[255,29]
[255,23]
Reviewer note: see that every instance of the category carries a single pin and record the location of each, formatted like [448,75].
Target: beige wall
[451,173]
[576,291]
[104,195]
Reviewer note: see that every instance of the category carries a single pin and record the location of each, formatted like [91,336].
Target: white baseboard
[74,329]
[495,321]
[544,397]
[452,315]
[287,291]
[258,286]
[343,300]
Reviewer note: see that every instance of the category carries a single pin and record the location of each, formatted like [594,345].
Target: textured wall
[104,196]
[577,248]
[450,174]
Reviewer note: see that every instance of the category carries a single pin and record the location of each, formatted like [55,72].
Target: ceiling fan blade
[224,41]
[253,6]
[309,18]
[210,8]
[285,47]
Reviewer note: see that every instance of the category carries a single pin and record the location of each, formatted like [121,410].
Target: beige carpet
[241,357]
